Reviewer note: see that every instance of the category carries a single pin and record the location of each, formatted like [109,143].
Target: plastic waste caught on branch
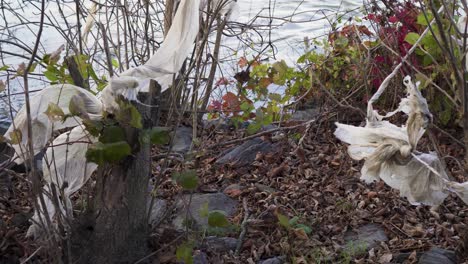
[389,152]
[65,160]
[65,168]
[161,66]
[42,126]
[168,59]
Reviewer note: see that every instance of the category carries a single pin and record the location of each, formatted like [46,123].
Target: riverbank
[286,203]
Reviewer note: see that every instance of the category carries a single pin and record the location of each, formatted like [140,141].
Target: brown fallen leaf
[386,258]
[414,231]
[233,192]
[300,233]
[277,171]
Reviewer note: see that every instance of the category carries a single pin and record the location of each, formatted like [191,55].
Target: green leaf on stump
[128,115]
[112,134]
[159,135]
[101,153]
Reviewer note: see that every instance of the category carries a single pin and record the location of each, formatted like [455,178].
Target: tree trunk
[115,230]
[168,15]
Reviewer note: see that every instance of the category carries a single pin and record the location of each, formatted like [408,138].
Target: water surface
[294,21]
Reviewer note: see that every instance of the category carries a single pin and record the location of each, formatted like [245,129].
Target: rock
[269,127]
[226,124]
[305,115]
[438,256]
[215,201]
[21,219]
[221,244]
[200,257]
[216,124]
[158,211]
[364,238]
[274,260]
[5,185]
[182,139]
[245,154]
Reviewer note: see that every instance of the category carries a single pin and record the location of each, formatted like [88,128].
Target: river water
[294,21]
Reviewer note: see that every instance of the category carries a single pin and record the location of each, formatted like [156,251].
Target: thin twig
[243,226]
[386,81]
[260,134]
[32,255]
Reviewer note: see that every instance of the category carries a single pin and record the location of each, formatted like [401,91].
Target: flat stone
[215,201]
[221,244]
[364,238]
[200,257]
[5,185]
[305,115]
[182,139]
[226,124]
[274,260]
[216,124]
[158,211]
[245,153]
[438,256]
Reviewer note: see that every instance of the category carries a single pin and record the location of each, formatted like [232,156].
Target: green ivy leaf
[159,135]
[275,97]
[217,218]
[128,114]
[94,127]
[4,68]
[280,66]
[33,67]
[411,38]
[51,76]
[115,63]
[186,179]
[306,229]
[54,112]
[293,220]
[253,128]
[15,136]
[184,252]
[112,134]
[247,107]
[283,220]
[82,62]
[341,42]
[421,19]
[46,58]
[101,153]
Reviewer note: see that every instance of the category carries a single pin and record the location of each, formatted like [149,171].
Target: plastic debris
[389,152]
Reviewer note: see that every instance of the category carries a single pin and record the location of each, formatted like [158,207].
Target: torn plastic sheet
[389,152]
[73,169]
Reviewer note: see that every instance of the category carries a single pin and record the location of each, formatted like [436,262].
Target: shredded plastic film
[389,152]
